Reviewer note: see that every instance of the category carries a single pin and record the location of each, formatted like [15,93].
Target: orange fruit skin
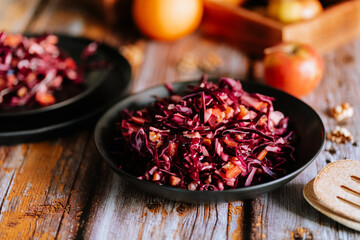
[297,73]
[167,20]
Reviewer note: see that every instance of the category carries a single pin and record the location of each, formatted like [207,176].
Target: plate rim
[109,114]
[69,101]
[122,71]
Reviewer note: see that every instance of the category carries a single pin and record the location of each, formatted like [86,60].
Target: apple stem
[295,49]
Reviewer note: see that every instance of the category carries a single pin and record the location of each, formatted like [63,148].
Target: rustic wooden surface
[61,189]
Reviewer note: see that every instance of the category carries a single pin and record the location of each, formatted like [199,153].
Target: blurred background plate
[40,124]
[72,93]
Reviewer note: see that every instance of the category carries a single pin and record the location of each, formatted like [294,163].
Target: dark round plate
[45,124]
[71,93]
[303,119]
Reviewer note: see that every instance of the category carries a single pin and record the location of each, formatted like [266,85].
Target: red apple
[295,68]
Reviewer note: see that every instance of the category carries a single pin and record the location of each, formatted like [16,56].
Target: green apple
[289,11]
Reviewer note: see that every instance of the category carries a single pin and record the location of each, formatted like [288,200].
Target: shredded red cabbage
[213,137]
[32,68]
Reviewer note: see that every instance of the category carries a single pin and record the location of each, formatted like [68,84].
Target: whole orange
[167,20]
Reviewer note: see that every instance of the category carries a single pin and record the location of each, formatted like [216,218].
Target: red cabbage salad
[32,68]
[212,137]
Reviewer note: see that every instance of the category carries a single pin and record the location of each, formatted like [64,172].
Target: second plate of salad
[43,73]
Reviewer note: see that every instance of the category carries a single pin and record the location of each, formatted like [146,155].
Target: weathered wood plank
[285,213]
[161,61]
[16,14]
[11,158]
[73,18]
[111,204]
[235,221]
[39,193]
[141,216]
[62,189]
[82,192]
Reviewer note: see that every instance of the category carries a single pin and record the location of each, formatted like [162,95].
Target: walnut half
[343,111]
[340,135]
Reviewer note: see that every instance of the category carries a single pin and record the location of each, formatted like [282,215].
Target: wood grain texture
[37,197]
[16,14]
[146,217]
[162,60]
[81,193]
[11,158]
[61,188]
[67,17]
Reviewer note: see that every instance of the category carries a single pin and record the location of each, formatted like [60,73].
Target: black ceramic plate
[45,124]
[71,93]
[303,119]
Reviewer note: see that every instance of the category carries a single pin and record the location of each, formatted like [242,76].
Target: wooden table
[60,188]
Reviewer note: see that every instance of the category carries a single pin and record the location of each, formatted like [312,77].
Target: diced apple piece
[174,180]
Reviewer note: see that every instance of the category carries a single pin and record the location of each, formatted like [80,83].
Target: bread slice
[338,187]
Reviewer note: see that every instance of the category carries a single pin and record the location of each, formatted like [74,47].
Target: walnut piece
[134,53]
[211,62]
[340,135]
[188,64]
[343,111]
